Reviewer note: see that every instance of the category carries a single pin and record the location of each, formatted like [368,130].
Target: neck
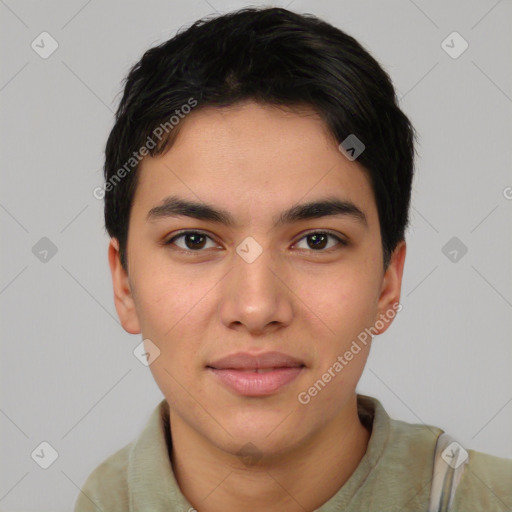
[299,480]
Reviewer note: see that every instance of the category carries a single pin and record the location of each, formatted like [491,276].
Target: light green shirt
[394,475]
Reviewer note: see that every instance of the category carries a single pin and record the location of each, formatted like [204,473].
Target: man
[258,181]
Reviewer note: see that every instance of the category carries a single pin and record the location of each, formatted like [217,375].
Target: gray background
[68,374]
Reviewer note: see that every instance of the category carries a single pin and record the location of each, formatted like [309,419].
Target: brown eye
[193,240]
[318,240]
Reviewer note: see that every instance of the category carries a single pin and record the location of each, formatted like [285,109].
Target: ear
[123,297]
[389,299]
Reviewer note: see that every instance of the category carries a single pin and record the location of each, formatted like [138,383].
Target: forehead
[253,156]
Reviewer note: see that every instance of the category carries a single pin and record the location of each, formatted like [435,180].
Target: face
[304,285]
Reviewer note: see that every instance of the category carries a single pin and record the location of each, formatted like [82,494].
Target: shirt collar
[374,417]
[151,480]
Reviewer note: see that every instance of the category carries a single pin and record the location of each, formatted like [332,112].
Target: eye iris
[194,237]
[317,243]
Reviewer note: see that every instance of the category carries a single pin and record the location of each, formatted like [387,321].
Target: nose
[255,297]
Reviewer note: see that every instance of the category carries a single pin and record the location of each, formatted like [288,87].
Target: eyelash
[342,242]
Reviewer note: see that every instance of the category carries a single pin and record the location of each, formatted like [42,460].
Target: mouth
[256,375]
[256,370]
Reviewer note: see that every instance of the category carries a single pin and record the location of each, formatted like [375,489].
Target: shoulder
[405,461]
[413,444]
[113,485]
[486,484]
[106,488]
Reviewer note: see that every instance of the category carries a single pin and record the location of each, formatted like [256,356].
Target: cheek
[168,301]
[343,302]
[170,313]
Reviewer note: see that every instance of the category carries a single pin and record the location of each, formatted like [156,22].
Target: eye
[193,240]
[319,240]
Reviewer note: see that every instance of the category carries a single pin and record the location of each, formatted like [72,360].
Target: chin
[271,432]
[259,447]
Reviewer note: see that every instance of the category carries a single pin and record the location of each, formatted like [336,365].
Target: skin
[255,161]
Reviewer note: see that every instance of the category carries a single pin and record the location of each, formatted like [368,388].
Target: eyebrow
[174,206]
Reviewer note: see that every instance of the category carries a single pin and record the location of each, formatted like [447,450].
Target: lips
[248,362]
[256,375]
